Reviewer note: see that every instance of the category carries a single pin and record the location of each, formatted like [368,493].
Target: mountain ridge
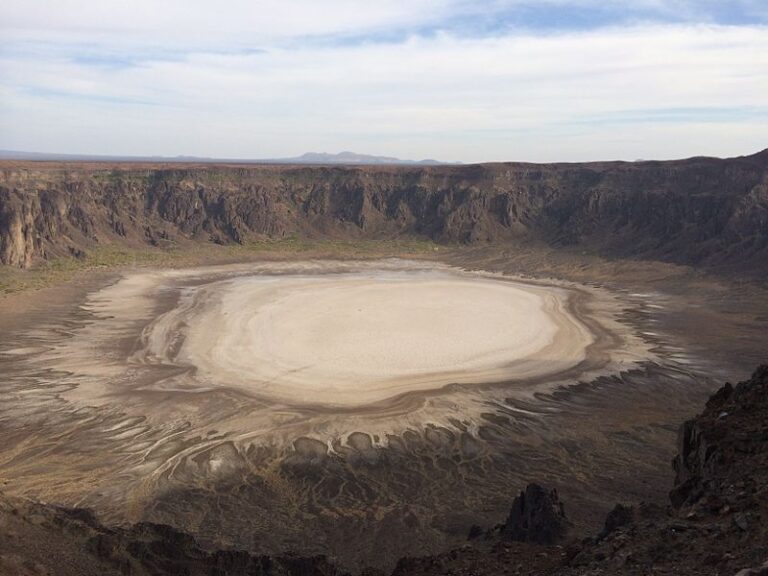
[324,158]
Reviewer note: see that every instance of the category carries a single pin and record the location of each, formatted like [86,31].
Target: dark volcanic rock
[537,516]
[708,445]
[618,517]
[719,524]
[37,539]
[702,211]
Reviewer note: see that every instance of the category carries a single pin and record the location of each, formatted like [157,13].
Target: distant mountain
[347,157]
[342,158]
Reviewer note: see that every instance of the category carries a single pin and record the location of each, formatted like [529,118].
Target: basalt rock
[618,517]
[718,521]
[537,516]
[37,539]
[701,211]
[718,524]
[708,446]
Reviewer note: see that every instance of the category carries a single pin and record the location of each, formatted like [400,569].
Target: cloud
[198,24]
[191,24]
[256,84]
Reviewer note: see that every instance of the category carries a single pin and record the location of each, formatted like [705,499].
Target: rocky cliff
[701,211]
[717,518]
[715,523]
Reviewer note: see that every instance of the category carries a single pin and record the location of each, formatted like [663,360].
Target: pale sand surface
[359,338]
[333,334]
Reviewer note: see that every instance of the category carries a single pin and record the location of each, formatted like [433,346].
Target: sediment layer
[357,338]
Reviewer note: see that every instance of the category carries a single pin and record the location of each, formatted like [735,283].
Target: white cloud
[201,23]
[525,96]
[186,24]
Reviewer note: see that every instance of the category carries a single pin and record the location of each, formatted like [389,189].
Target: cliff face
[715,449]
[717,522]
[701,211]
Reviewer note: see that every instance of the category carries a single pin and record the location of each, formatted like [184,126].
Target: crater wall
[700,211]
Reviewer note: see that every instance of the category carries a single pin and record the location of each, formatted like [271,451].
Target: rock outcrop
[44,540]
[716,524]
[702,211]
[537,516]
[718,519]
[708,447]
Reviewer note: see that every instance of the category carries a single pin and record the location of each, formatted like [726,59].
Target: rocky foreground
[716,522]
[700,211]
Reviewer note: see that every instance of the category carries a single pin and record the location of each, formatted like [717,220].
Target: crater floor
[360,337]
[305,405]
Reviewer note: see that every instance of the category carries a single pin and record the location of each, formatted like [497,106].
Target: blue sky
[456,80]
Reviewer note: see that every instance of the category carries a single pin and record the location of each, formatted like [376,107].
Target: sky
[456,80]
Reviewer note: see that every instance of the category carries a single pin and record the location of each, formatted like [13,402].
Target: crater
[340,387]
